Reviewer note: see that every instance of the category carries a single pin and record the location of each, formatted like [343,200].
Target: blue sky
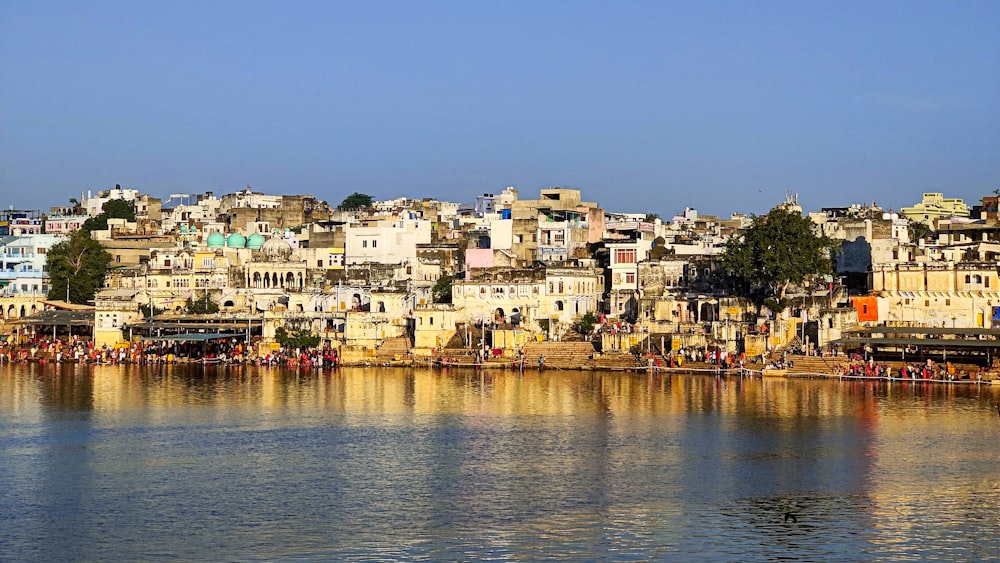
[645,106]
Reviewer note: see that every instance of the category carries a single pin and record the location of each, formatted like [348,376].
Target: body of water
[107,463]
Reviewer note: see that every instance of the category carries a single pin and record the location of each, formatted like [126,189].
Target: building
[935,206]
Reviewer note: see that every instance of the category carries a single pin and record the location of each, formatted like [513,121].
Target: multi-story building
[23,267]
[386,241]
[17,222]
[935,206]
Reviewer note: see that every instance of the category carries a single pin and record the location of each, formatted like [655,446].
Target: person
[541,361]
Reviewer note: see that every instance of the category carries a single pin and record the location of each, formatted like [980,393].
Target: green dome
[184,228]
[236,240]
[216,240]
[255,241]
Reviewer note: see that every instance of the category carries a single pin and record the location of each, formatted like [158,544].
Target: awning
[55,317]
[193,337]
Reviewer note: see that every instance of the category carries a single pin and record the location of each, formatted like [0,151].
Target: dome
[184,228]
[236,240]
[276,250]
[216,240]
[255,241]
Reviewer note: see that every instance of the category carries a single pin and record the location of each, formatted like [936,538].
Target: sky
[647,107]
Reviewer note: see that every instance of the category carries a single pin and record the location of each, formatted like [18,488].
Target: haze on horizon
[644,106]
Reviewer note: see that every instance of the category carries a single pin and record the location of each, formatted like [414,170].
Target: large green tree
[80,263]
[112,209]
[442,289]
[779,250]
[203,305]
[355,201]
[296,339]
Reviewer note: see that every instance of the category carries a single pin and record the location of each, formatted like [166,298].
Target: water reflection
[122,462]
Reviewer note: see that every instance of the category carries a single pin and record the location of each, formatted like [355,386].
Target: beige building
[935,206]
[940,294]
[543,299]
[552,227]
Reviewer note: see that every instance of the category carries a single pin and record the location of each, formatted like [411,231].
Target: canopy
[193,337]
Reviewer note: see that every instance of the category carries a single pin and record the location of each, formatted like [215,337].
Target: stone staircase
[615,362]
[816,365]
[559,355]
[392,349]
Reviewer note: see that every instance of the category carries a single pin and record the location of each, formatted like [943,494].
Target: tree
[149,310]
[80,263]
[651,217]
[202,306]
[778,250]
[297,339]
[918,230]
[442,289]
[112,209]
[355,201]
[587,323]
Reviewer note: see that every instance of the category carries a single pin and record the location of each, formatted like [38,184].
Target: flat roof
[923,330]
[192,337]
[953,343]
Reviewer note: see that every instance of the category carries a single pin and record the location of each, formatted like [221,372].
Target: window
[630,278]
[364,244]
[319,263]
[374,243]
[625,256]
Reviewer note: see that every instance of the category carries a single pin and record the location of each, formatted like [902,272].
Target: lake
[105,463]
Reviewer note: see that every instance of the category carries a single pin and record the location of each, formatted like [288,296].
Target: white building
[22,263]
[387,241]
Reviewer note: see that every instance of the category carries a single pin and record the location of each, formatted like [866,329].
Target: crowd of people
[929,370]
[150,352]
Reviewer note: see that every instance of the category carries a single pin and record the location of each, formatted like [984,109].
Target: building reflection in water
[583,460]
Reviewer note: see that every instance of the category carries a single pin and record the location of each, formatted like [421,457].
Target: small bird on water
[789,517]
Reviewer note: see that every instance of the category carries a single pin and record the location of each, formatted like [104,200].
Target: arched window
[559,306]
